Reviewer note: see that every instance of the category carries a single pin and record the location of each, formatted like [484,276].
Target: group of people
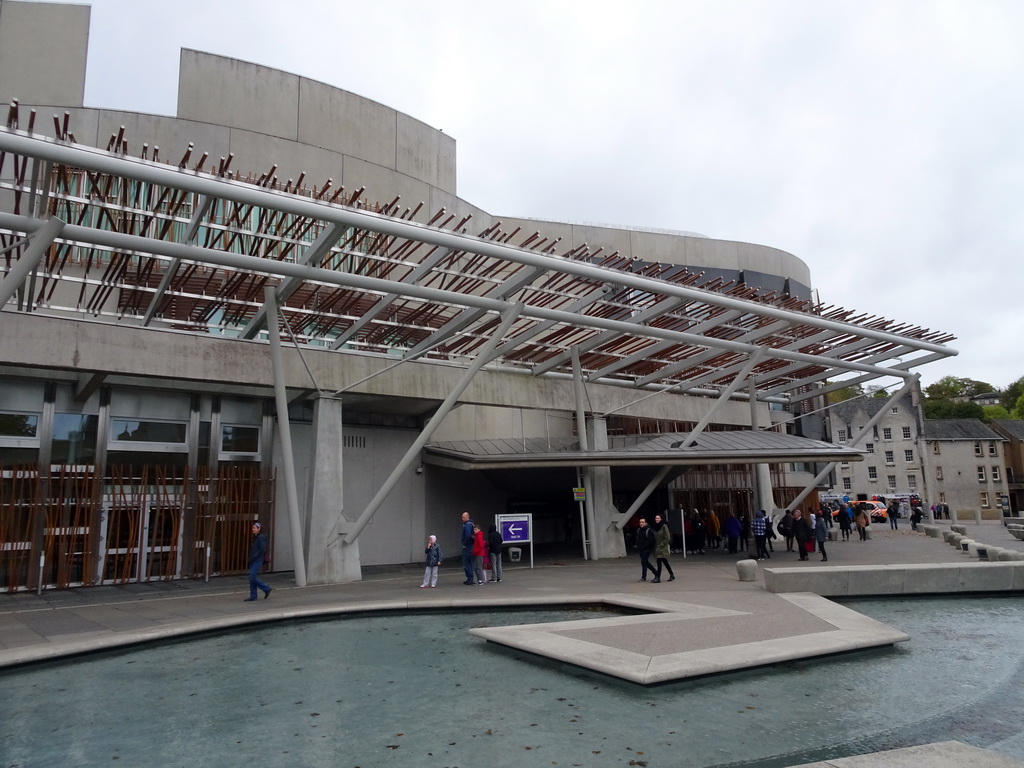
[807,532]
[654,539]
[480,554]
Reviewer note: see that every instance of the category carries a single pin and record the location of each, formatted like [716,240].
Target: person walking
[433,553]
[479,553]
[786,529]
[862,522]
[821,536]
[844,521]
[467,549]
[760,532]
[257,555]
[494,544]
[894,516]
[662,547]
[645,542]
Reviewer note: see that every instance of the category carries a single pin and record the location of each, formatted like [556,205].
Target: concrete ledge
[916,579]
[946,754]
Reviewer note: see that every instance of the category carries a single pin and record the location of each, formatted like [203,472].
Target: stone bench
[912,579]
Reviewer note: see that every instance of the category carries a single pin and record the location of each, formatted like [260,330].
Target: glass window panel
[137,431]
[74,438]
[18,424]
[235,439]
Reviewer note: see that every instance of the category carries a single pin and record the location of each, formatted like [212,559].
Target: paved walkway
[62,622]
[732,613]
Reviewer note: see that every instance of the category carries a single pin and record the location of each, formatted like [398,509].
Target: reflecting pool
[418,690]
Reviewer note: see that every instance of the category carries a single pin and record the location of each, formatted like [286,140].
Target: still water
[418,690]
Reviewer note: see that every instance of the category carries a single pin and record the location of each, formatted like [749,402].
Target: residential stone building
[1013,455]
[892,465]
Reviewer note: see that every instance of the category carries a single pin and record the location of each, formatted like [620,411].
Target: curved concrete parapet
[746,570]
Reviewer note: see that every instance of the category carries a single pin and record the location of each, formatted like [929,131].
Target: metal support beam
[691,438]
[316,251]
[908,386]
[87,385]
[581,430]
[21,143]
[284,427]
[507,319]
[42,239]
[126,242]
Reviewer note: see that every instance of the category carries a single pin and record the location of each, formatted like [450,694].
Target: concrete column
[328,561]
[764,498]
[605,537]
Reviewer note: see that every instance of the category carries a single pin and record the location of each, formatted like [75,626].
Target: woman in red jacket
[480,551]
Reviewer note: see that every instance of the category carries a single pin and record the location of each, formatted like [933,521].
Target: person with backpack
[257,553]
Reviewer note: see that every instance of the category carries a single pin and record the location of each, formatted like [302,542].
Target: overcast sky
[880,141]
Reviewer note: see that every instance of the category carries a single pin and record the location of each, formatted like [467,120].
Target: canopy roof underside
[194,247]
[732,447]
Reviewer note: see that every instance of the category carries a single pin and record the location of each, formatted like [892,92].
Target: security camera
[419,470]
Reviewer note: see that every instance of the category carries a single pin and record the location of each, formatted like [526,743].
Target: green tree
[1011,395]
[993,412]
[844,394]
[949,409]
[1018,408]
[952,387]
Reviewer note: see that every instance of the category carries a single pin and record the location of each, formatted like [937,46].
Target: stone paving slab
[692,641]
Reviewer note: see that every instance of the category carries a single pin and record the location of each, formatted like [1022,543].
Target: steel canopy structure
[191,247]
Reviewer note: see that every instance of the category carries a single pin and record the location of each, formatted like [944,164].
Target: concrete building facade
[191,343]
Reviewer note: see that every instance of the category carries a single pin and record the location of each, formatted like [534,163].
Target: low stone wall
[914,579]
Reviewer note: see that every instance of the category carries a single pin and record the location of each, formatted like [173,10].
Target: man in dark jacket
[257,551]
[467,549]
[645,542]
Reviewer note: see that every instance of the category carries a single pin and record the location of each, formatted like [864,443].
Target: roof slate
[958,429]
